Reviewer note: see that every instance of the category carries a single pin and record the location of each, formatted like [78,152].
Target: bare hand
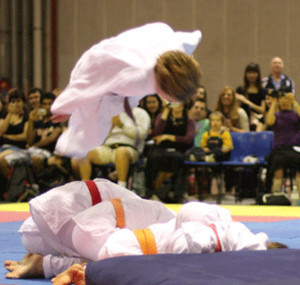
[59,118]
[116,121]
[34,115]
[159,139]
[240,97]
[290,96]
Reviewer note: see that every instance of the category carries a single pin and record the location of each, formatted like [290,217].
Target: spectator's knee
[122,152]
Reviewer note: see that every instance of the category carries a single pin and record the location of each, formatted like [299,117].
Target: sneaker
[189,198]
[155,198]
[209,158]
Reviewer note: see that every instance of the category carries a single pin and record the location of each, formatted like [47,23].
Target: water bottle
[295,196]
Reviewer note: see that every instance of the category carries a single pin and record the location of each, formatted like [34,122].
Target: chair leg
[220,183]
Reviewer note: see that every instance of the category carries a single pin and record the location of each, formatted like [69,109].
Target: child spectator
[216,143]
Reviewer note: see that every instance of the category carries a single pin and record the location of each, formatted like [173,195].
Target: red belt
[95,194]
[218,246]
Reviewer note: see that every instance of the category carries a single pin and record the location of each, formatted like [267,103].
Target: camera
[277,94]
[173,104]
[42,112]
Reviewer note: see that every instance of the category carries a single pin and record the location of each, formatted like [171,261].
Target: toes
[11,275]
[9,262]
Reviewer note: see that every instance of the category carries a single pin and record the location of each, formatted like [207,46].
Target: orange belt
[120,215]
[95,194]
[218,246]
[146,240]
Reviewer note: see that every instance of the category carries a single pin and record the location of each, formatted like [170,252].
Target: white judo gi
[194,237]
[190,232]
[79,228]
[124,242]
[54,209]
[203,213]
[115,68]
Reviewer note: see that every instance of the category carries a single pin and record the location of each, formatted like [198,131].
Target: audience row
[165,133]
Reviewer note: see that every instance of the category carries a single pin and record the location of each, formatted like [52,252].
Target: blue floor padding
[287,232]
[11,248]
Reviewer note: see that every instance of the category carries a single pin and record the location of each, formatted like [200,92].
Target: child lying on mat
[218,233]
[55,221]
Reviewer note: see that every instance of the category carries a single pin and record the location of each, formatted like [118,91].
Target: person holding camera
[173,134]
[42,133]
[285,154]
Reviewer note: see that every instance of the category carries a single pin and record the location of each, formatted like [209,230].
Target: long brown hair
[178,74]
[233,114]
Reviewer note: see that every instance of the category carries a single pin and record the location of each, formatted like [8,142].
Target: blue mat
[287,232]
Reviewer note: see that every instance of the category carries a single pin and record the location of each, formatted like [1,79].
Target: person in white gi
[205,235]
[141,61]
[56,221]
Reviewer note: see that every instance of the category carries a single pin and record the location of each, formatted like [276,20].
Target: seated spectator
[277,80]
[202,94]
[123,146]
[285,153]
[198,112]
[13,129]
[3,111]
[42,133]
[262,125]
[252,94]
[216,143]
[173,135]
[34,98]
[153,104]
[236,119]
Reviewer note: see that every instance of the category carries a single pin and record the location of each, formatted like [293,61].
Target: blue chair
[258,144]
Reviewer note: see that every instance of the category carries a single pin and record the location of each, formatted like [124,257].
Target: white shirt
[131,132]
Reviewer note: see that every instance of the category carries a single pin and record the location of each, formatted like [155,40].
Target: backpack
[51,177]
[19,180]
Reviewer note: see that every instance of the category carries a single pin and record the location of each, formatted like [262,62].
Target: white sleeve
[192,237]
[243,120]
[53,265]
[121,242]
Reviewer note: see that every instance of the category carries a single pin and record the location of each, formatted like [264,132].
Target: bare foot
[32,267]
[75,274]
[10,265]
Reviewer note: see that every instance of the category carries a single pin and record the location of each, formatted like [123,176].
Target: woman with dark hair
[173,135]
[3,111]
[252,94]
[13,129]
[153,104]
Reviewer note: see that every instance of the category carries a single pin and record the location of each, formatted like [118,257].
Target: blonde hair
[275,245]
[217,114]
[178,74]
[233,114]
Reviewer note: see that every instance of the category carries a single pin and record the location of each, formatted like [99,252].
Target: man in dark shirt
[278,80]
